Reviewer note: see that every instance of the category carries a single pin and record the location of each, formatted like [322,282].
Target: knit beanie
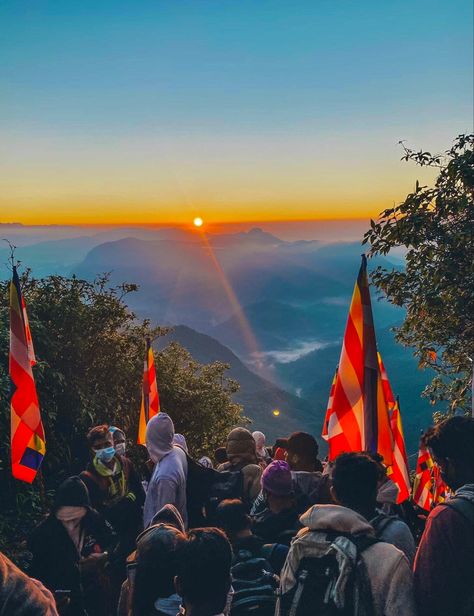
[276,479]
[72,493]
[241,445]
[159,436]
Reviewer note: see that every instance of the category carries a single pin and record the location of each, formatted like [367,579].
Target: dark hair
[156,557]
[203,568]
[303,444]
[96,434]
[354,479]
[220,455]
[232,517]
[453,438]
[378,459]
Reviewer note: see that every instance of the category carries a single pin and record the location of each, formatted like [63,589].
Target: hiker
[306,469]
[234,520]
[317,576]
[203,572]
[114,487]
[220,455]
[149,590]
[278,521]
[262,454]
[444,563]
[242,456]
[355,479]
[71,549]
[168,481]
[21,595]
[180,440]
[119,439]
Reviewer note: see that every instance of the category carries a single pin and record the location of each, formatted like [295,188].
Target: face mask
[105,455]
[120,449]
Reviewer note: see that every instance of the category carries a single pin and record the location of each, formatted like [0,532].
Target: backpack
[254,585]
[206,488]
[316,579]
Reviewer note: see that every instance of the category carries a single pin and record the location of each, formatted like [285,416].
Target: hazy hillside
[258,396]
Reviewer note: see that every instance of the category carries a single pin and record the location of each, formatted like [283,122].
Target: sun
[198,222]
[276,412]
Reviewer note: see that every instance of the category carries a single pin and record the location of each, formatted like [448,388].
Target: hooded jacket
[388,571]
[55,556]
[168,481]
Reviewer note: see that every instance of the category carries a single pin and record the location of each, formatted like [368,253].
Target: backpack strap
[463,506]
[381,522]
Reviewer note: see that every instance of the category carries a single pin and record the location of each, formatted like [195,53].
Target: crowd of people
[249,529]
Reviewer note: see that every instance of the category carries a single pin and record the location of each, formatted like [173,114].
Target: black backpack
[316,577]
[205,489]
[254,585]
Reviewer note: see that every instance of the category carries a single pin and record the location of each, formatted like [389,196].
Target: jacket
[387,568]
[56,560]
[444,563]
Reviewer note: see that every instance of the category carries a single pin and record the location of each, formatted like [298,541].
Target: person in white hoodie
[168,481]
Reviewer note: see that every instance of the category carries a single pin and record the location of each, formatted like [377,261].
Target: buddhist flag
[28,445]
[440,489]
[423,485]
[399,472]
[325,433]
[359,419]
[150,400]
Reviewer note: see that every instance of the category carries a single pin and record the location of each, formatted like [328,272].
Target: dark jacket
[277,527]
[444,564]
[124,515]
[55,557]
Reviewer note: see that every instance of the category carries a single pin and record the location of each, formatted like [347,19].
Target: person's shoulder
[385,553]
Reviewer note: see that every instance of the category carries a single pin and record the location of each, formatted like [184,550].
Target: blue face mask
[105,455]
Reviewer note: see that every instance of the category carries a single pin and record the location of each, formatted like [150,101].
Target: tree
[90,350]
[436,226]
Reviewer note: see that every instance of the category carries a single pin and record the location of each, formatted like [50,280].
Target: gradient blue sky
[154,111]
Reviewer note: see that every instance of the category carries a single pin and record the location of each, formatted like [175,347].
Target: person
[233,519]
[21,595]
[114,487]
[220,455]
[355,480]
[302,451]
[444,563]
[242,456]
[203,577]
[168,481]
[180,440]
[343,536]
[150,591]
[262,454]
[119,440]
[71,549]
[278,522]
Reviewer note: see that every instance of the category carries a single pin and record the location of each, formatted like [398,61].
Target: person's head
[302,452]
[156,565]
[451,443]
[159,436]
[180,440]
[259,438]
[120,442]
[241,447]
[220,455]
[72,494]
[232,517]
[203,571]
[277,486]
[354,479]
[101,443]
[382,469]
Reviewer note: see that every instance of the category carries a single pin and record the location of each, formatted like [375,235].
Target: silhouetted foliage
[436,226]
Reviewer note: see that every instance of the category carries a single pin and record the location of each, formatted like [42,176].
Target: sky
[157,111]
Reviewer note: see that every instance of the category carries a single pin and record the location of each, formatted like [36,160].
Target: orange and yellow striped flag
[150,399]
[28,444]
[359,419]
[399,472]
[423,484]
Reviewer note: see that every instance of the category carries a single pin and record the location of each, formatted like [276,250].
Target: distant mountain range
[274,310]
